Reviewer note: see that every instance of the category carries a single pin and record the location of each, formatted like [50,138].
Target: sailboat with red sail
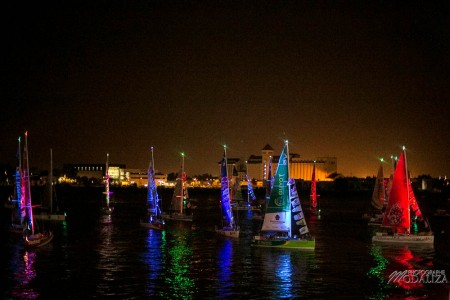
[397,217]
[313,196]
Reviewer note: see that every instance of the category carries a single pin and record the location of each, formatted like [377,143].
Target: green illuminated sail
[278,213]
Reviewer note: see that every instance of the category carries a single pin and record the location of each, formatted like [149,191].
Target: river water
[94,256]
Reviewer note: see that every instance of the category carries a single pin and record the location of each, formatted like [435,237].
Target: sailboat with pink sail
[397,217]
[33,236]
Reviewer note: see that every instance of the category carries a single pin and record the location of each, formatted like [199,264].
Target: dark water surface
[94,256]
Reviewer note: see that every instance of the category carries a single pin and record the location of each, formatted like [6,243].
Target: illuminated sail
[313,195]
[278,213]
[250,191]
[26,188]
[299,223]
[397,211]
[227,213]
[152,193]
[379,192]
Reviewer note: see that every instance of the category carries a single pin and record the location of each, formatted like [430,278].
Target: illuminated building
[300,169]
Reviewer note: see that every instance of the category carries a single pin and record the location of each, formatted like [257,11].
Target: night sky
[351,80]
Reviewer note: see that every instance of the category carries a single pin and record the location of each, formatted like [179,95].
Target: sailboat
[313,196]
[228,226]
[32,236]
[378,198]
[268,183]
[17,210]
[180,199]
[107,209]
[284,224]
[397,216]
[251,194]
[237,201]
[50,213]
[154,219]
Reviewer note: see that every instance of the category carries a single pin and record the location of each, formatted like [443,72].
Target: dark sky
[354,80]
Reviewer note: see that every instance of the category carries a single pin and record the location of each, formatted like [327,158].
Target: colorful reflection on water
[168,261]
[395,271]
[224,272]
[23,275]
[177,264]
[153,259]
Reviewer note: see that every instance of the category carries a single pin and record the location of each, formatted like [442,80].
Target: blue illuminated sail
[251,193]
[152,194]
[227,213]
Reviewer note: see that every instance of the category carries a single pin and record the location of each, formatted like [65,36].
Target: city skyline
[352,80]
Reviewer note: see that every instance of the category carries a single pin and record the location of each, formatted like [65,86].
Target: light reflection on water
[115,256]
[24,274]
[224,271]
[391,259]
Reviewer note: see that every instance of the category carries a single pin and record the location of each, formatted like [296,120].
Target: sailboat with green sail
[284,224]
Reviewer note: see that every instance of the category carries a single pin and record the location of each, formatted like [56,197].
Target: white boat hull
[403,239]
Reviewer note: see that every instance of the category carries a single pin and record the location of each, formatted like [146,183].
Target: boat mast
[27,184]
[107,179]
[289,193]
[182,184]
[50,179]
[248,185]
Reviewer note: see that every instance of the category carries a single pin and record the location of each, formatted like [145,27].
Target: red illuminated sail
[313,195]
[397,211]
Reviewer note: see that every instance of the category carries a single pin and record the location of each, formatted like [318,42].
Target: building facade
[260,167]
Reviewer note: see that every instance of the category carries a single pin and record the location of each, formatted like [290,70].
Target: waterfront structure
[116,171]
[300,169]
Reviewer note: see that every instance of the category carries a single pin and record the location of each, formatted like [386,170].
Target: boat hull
[50,217]
[228,233]
[177,217]
[403,239]
[282,243]
[157,226]
[107,211]
[38,240]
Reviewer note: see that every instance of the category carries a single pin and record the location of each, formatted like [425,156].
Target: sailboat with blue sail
[154,218]
[18,201]
[284,224]
[228,226]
